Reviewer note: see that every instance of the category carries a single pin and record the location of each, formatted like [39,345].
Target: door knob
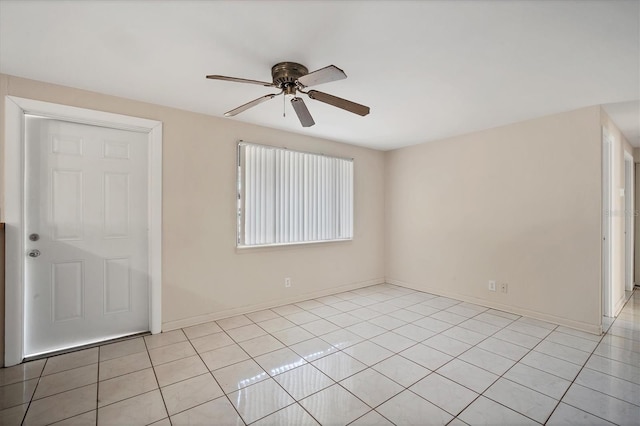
[33,253]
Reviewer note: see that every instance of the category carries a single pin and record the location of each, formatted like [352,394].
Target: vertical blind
[288,197]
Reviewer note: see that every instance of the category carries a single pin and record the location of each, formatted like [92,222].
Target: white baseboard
[578,325]
[188,322]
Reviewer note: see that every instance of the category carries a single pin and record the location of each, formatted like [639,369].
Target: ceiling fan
[291,78]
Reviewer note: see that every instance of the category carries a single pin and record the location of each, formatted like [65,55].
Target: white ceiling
[427,69]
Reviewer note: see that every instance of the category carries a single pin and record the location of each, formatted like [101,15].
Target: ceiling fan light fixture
[289,89]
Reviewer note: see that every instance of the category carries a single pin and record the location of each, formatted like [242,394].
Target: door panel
[67,282]
[66,204]
[116,205]
[117,285]
[86,199]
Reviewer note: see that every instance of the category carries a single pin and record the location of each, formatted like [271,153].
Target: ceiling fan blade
[303,113]
[323,75]
[251,104]
[239,80]
[339,102]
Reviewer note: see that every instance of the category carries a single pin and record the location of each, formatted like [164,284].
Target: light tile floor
[374,356]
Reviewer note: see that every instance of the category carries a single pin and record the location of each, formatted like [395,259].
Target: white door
[629,216]
[86,234]
[607,168]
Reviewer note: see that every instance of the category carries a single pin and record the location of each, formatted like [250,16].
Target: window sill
[288,246]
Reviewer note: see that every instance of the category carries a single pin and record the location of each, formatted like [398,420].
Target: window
[291,197]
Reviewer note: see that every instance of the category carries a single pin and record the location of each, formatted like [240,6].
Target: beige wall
[204,277]
[518,204]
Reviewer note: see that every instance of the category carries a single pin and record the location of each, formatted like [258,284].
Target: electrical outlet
[504,287]
[492,285]
[287,282]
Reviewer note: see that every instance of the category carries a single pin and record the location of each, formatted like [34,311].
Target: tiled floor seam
[164,403]
[24,416]
[224,394]
[287,392]
[572,381]
[610,375]
[561,359]
[58,393]
[617,360]
[459,412]
[435,371]
[501,376]
[472,346]
[375,411]
[441,333]
[98,383]
[370,367]
[123,374]
[124,399]
[578,374]
[574,348]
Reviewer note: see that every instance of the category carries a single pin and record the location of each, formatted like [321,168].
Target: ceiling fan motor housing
[285,75]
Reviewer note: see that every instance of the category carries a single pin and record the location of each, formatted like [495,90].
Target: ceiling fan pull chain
[284,106]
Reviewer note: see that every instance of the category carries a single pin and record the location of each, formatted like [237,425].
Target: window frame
[240,200]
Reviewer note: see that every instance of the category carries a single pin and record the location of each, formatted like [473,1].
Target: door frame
[15,109]
[629,218]
[607,223]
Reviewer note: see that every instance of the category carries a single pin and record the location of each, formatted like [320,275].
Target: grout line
[98,383]
[157,382]
[62,391]
[617,360]
[224,393]
[267,378]
[24,416]
[568,387]
[58,393]
[392,354]
[610,375]
[579,372]
[479,394]
[456,357]
[126,399]
[624,338]
[407,388]
[602,393]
